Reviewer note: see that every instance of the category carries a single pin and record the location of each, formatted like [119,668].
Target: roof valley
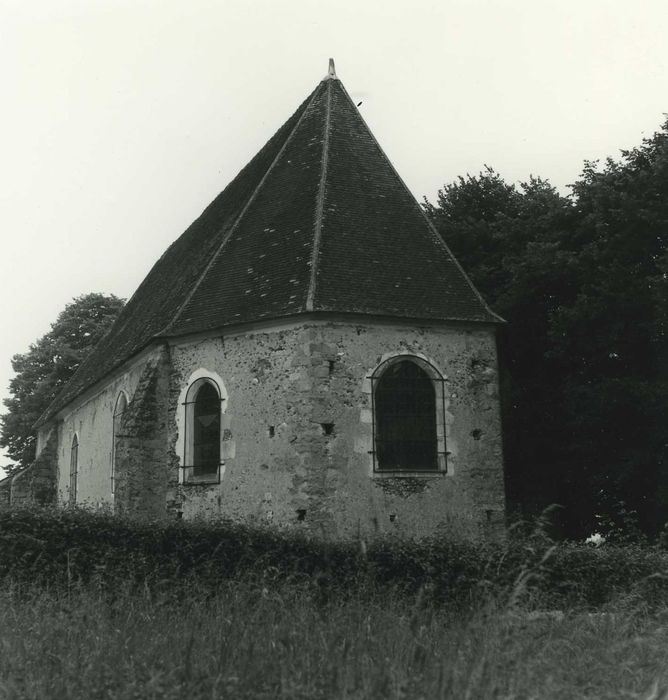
[320,203]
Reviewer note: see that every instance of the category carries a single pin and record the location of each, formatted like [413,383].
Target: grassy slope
[251,643]
[93,607]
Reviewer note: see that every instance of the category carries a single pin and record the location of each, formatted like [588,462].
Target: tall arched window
[202,458]
[74,467]
[409,430]
[121,405]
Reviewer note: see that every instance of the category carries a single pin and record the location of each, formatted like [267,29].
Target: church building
[307,354]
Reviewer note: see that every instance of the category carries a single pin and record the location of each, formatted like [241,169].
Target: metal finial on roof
[331,73]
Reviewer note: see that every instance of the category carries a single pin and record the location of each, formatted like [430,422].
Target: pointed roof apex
[319,222]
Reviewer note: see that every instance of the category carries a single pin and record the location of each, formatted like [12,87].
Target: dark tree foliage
[47,366]
[583,284]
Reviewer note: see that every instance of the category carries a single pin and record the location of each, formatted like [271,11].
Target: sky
[122,119]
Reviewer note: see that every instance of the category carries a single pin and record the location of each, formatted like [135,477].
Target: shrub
[74,547]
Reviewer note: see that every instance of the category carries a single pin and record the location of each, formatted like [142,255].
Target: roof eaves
[56,406]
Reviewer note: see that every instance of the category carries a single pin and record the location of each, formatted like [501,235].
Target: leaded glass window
[74,468]
[405,419]
[206,431]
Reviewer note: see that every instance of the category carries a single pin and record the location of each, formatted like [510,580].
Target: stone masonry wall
[5,491]
[141,473]
[37,483]
[91,419]
[297,431]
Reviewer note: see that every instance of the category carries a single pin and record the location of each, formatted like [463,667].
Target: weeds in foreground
[93,607]
[57,549]
[247,642]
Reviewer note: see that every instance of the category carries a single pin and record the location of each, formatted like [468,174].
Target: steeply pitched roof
[319,220]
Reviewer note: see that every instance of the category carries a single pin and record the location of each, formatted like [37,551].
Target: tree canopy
[583,284]
[47,366]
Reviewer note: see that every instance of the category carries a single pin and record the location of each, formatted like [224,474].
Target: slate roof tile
[319,220]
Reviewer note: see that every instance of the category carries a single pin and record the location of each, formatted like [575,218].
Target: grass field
[160,619]
[246,642]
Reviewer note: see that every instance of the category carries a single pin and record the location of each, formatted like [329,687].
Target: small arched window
[74,468]
[408,416]
[119,410]
[203,410]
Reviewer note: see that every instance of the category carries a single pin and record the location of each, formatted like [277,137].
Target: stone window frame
[186,477]
[438,380]
[74,469]
[116,420]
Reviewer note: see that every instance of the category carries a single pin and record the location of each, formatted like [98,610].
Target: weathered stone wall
[37,483]
[297,430]
[91,418]
[256,374]
[469,497]
[5,491]
[141,445]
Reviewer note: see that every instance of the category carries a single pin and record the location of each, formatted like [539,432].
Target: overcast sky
[122,119]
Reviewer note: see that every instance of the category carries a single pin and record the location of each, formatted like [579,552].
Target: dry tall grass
[251,642]
[96,607]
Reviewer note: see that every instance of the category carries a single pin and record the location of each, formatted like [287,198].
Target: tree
[612,342]
[47,366]
[511,241]
[583,284]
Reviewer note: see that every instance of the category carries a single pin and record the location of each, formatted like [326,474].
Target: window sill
[407,474]
[208,479]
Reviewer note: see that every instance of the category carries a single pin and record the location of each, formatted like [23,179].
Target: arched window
[121,405]
[409,430]
[74,467]
[202,458]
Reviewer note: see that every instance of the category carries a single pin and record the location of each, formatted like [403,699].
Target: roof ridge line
[435,235]
[320,203]
[233,228]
